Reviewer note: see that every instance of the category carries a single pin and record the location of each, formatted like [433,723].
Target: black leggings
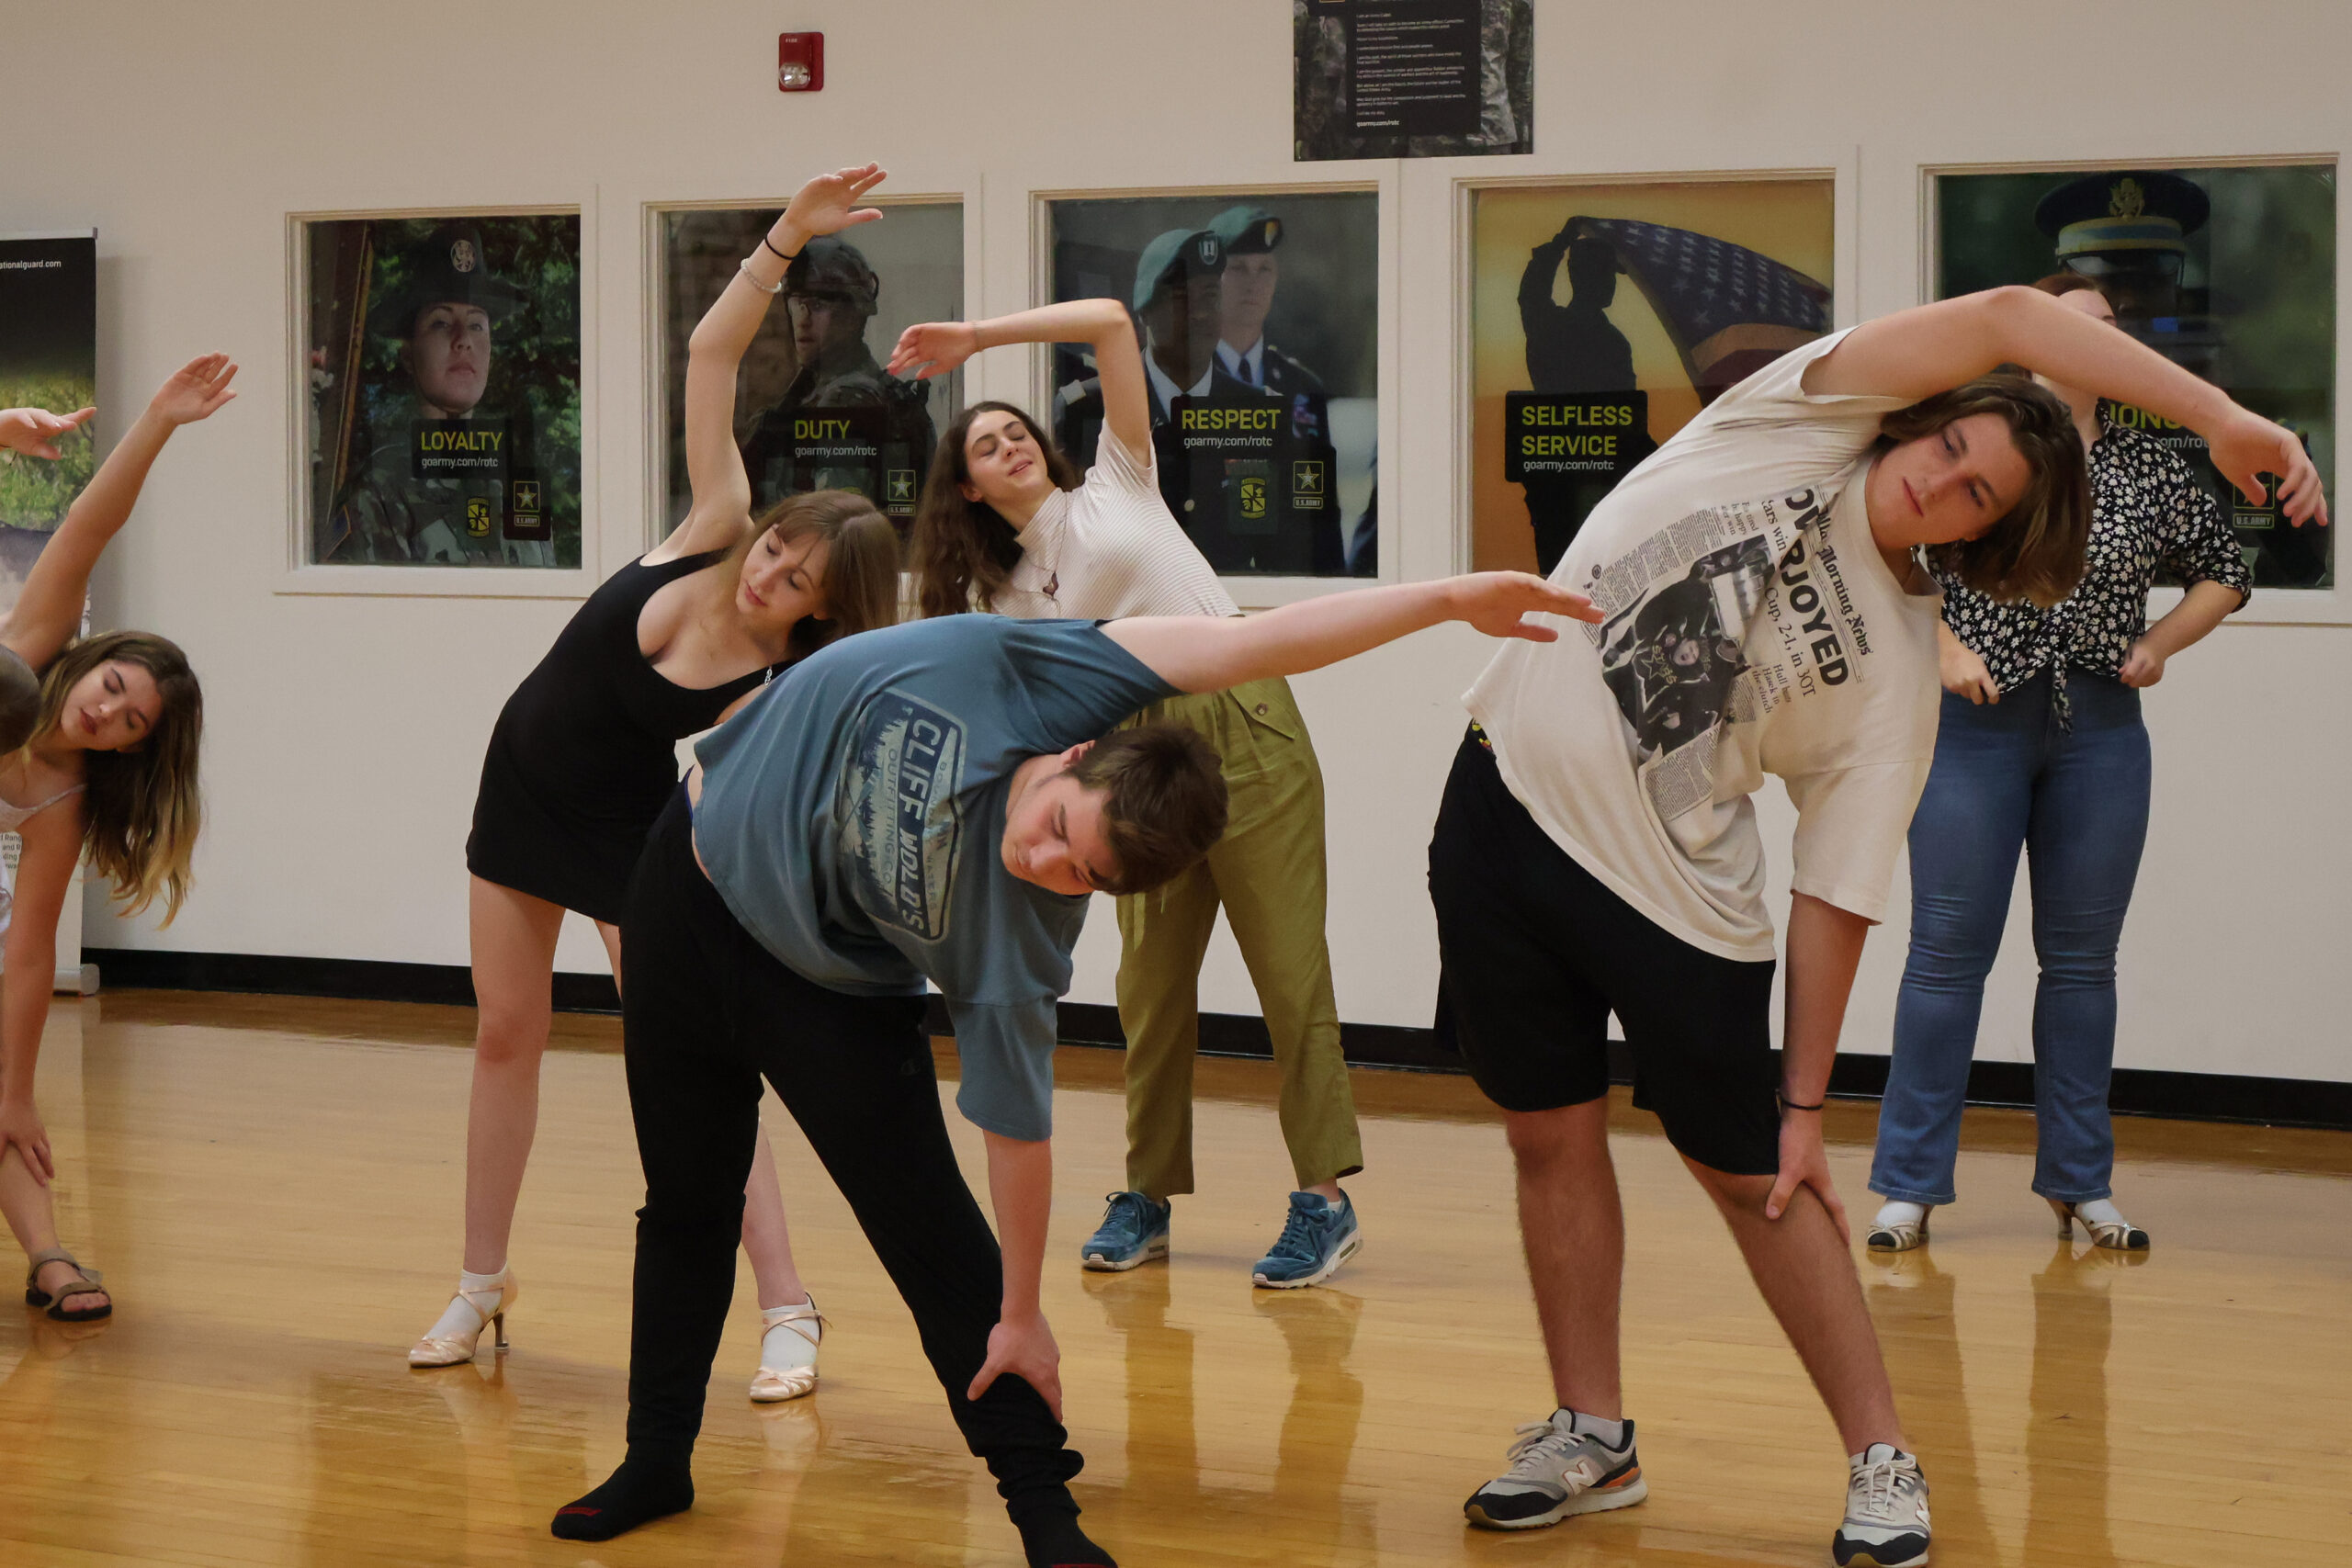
[707,1013]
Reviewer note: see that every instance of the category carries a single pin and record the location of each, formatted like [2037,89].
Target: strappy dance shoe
[85,1284]
[489,1308]
[2115,1236]
[773,1385]
[1898,1235]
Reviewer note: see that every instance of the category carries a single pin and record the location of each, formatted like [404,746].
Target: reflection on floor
[272,1187]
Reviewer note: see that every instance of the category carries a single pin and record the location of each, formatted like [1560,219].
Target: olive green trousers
[1268,872]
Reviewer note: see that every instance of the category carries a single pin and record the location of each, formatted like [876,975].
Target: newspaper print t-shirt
[852,815]
[1752,627]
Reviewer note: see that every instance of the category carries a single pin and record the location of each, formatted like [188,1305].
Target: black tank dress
[584,755]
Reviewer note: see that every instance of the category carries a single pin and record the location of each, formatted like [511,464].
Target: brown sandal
[85,1284]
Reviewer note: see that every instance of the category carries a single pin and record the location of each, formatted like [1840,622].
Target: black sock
[1054,1540]
[640,1492]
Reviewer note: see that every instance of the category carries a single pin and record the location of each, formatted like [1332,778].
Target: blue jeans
[2006,777]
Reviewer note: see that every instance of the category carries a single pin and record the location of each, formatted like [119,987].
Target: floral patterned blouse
[2146,512]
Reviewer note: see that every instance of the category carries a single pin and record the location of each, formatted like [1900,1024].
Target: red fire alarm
[800,63]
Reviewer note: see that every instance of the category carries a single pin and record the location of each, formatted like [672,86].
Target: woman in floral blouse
[2042,747]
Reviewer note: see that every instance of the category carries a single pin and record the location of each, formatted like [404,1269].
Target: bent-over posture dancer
[102,761]
[934,801]
[1101,549]
[1597,850]
[584,755]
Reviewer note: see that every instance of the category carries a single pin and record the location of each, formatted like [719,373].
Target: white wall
[346,732]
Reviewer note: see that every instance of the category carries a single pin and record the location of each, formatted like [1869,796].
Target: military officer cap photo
[1247,230]
[1180,254]
[2111,222]
[447,268]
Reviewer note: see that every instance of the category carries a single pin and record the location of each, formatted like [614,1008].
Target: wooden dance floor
[272,1186]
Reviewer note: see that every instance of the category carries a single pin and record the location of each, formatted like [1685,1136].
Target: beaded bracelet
[744,266]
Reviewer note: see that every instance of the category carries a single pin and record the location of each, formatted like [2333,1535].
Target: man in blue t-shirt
[933,801]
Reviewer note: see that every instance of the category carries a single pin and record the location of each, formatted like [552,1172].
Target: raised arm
[1206,653]
[34,432]
[721,489]
[48,611]
[934,348]
[1917,352]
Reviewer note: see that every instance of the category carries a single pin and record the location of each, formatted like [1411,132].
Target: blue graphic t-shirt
[852,815]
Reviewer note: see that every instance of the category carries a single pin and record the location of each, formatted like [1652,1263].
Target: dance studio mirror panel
[444,359]
[1258,313]
[2227,272]
[814,409]
[1603,317]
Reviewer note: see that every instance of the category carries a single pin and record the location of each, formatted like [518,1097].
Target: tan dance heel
[489,1308]
[773,1385]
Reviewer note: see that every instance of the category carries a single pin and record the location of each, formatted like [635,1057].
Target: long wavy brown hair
[861,581]
[2035,552]
[140,807]
[965,550]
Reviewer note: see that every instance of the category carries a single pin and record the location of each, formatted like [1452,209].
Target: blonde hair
[141,810]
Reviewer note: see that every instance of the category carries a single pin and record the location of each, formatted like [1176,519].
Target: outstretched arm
[48,611]
[52,843]
[1917,352]
[1207,653]
[34,432]
[722,490]
[1020,1190]
[934,348]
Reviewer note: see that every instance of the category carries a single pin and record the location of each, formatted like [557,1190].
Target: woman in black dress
[583,759]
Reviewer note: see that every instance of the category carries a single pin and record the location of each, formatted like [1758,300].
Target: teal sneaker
[1134,1230]
[1317,1238]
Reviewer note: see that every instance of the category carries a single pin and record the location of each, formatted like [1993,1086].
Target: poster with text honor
[1604,317]
[1411,78]
[2228,272]
[48,356]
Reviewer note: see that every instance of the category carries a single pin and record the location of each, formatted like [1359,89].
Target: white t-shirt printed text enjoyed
[1752,627]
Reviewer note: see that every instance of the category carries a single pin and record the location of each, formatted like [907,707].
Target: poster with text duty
[1604,317]
[1411,78]
[49,336]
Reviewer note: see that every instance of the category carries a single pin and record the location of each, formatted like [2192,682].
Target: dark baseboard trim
[2191,1097]
[356,979]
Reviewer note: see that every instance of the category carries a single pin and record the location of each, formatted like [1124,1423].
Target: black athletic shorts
[1537,954]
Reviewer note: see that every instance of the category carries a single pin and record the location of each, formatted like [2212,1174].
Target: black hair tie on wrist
[1788,1104]
[778,255]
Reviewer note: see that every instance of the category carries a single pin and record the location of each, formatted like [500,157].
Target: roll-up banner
[48,359]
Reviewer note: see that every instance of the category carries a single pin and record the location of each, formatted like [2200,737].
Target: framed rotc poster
[444,392]
[1604,317]
[1258,319]
[2228,271]
[814,409]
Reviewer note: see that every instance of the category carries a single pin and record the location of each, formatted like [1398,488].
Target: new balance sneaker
[1886,1511]
[1317,1238]
[1556,1471]
[1134,1230]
